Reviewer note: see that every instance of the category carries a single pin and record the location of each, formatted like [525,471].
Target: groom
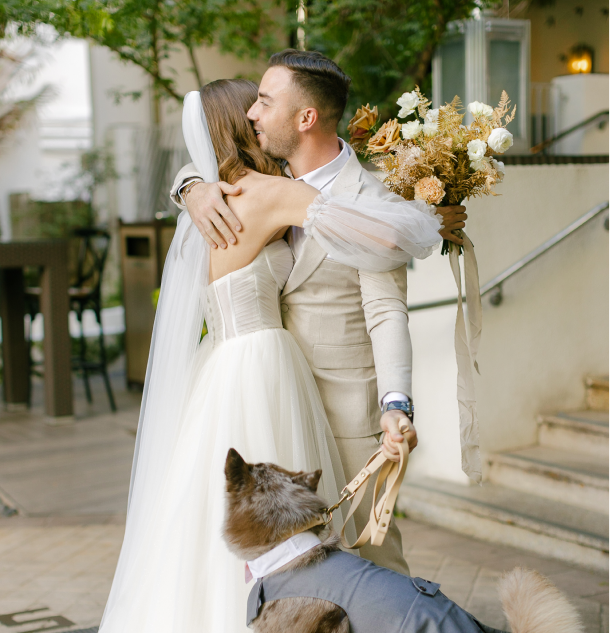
[352,325]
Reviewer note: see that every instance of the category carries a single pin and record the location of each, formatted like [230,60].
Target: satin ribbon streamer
[467,340]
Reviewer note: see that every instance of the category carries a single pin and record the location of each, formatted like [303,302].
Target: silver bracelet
[185,189]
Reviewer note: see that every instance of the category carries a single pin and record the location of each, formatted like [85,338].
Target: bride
[246,385]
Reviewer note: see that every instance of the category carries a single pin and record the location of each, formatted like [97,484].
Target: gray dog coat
[373,597]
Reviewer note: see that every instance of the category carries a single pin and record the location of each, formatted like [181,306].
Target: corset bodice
[247,300]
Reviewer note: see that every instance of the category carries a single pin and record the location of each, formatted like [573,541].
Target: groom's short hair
[319,78]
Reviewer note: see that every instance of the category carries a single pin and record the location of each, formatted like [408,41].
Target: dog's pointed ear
[236,469]
[308,480]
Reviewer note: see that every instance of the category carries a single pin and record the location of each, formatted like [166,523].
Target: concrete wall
[549,333]
[580,97]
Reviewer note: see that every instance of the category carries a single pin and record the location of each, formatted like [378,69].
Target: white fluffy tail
[533,604]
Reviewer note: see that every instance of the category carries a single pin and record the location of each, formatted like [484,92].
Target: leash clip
[345,495]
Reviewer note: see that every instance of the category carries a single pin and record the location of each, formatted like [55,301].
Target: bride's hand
[211,215]
[391,422]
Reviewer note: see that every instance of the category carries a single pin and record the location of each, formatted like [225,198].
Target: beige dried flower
[360,126]
[386,138]
[430,189]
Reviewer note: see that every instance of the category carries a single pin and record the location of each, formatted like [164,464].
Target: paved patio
[57,556]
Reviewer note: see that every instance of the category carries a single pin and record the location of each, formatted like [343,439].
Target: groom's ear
[308,119]
[236,470]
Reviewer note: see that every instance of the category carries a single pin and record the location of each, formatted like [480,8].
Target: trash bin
[144,246]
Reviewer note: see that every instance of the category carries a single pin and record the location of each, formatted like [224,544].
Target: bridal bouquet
[434,157]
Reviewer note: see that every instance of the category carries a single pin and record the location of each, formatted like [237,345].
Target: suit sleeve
[187,172]
[384,298]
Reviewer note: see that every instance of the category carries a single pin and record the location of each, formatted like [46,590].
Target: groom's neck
[314,152]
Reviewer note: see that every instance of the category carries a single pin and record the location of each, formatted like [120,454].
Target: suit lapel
[308,261]
[348,180]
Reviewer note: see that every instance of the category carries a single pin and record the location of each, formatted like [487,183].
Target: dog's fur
[533,604]
[268,504]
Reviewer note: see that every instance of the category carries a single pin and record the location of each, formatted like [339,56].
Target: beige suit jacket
[352,325]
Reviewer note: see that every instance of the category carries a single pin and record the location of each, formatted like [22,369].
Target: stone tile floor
[58,564]
[65,566]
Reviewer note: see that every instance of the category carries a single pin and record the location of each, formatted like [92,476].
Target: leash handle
[381,513]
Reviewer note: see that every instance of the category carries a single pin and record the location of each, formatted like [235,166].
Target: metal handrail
[536,149]
[495,284]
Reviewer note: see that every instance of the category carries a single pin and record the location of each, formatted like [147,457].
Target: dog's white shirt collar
[281,555]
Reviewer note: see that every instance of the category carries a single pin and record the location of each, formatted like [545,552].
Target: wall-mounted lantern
[580,60]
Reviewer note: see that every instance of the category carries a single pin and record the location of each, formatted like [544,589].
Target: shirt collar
[322,176]
[280,555]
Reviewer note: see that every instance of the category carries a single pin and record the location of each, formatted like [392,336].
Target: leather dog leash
[380,514]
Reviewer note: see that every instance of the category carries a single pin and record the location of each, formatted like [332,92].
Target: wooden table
[52,257]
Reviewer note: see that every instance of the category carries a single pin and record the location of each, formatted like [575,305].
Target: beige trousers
[354,453]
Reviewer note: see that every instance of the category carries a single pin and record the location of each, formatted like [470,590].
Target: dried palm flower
[387,137]
[361,126]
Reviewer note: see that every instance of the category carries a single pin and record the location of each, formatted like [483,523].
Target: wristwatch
[400,405]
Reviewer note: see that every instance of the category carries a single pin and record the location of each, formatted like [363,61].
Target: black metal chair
[85,293]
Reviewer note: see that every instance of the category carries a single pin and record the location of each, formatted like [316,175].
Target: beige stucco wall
[550,331]
[550,40]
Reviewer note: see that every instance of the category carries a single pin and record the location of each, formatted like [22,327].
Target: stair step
[567,476]
[584,431]
[512,518]
[598,392]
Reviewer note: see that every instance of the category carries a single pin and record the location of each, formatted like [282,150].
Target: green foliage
[146,32]
[386,46]
[41,219]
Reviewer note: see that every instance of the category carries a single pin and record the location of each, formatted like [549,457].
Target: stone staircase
[551,498]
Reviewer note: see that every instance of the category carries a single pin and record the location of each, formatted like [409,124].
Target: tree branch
[194,65]
[157,78]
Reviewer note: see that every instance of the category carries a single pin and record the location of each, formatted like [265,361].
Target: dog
[274,521]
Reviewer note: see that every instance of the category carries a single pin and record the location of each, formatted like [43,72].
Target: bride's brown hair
[225,103]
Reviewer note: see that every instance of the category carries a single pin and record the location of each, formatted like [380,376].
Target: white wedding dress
[246,385]
[251,389]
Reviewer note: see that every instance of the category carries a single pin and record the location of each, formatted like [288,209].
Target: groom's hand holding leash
[393,423]
[210,214]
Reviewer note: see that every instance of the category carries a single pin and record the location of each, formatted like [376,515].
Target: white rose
[500,140]
[408,102]
[500,168]
[430,128]
[476,149]
[411,129]
[432,115]
[476,108]
[480,165]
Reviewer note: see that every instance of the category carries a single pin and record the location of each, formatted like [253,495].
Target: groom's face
[275,113]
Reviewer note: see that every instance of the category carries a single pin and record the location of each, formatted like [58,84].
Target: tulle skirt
[254,393]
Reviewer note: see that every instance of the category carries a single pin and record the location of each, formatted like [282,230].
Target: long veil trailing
[176,335]
[178,321]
